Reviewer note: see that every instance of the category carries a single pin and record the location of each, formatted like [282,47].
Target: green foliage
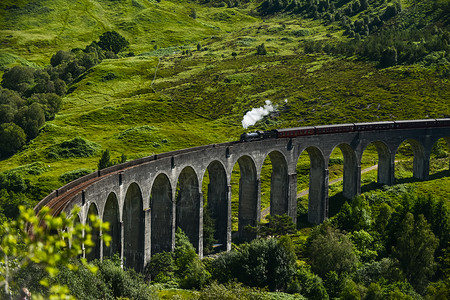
[308,284]
[18,78]
[277,225]
[112,41]
[208,232]
[76,147]
[330,250]
[105,160]
[354,216]
[161,267]
[191,271]
[415,249]
[74,174]
[30,118]
[12,139]
[41,240]
[261,50]
[263,262]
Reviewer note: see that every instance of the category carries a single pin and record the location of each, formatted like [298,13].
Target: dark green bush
[75,174]
[12,139]
[262,263]
[77,147]
[112,41]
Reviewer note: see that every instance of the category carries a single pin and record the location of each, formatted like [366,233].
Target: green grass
[201,98]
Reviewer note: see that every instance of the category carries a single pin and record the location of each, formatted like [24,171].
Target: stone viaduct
[145,200]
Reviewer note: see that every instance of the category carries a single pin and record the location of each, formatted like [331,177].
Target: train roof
[374,123]
[295,128]
[335,125]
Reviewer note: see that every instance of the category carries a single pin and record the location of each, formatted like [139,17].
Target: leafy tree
[12,139]
[161,267]
[60,57]
[26,240]
[308,284]
[276,226]
[30,118]
[112,41]
[105,160]
[330,250]
[11,98]
[191,271]
[263,262]
[415,249]
[208,231]
[261,50]
[18,78]
[50,102]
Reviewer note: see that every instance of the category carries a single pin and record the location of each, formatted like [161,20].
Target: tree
[330,250]
[415,249]
[18,78]
[112,41]
[50,102]
[46,241]
[262,263]
[105,160]
[31,119]
[12,139]
[261,49]
[276,226]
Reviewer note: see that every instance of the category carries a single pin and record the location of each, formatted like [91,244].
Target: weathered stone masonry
[143,206]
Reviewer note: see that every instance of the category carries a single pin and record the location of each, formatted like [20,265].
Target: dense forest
[92,83]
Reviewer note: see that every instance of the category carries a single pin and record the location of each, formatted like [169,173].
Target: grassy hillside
[189,81]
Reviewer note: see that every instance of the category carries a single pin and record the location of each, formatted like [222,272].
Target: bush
[30,119]
[112,41]
[75,174]
[77,147]
[19,78]
[262,263]
[12,139]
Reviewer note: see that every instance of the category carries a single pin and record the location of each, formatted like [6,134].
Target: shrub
[330,250]
[112,41]
[262,263]
[30,119]
[18,78]
[74,174]
[77,147]
[261,50]
[12,138]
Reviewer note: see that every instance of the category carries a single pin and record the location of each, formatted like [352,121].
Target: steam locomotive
[339,128]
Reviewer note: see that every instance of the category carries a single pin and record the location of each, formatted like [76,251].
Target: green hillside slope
[191,72]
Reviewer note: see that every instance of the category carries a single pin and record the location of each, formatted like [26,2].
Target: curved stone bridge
[146,199]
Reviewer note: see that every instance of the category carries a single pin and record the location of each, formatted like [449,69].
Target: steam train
[339,128]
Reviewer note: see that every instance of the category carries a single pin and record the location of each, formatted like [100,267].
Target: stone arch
[161,208]
[279,185]
[318,186]
[133,228]
[437,153]
[189,206]
[95,233]
[111,215]
[249,201]
[218,203]
[421,162]
[385,172]
[351,175]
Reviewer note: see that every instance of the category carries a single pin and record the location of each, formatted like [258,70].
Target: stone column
[147,235]
[229,226]
[292,197]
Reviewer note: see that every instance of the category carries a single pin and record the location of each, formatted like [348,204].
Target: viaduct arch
[146,199]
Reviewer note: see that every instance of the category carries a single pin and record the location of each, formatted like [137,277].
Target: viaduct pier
[145,200]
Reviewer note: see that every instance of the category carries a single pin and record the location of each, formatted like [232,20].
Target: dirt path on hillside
[266,211]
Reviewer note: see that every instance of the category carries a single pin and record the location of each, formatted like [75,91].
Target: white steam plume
[256,114]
